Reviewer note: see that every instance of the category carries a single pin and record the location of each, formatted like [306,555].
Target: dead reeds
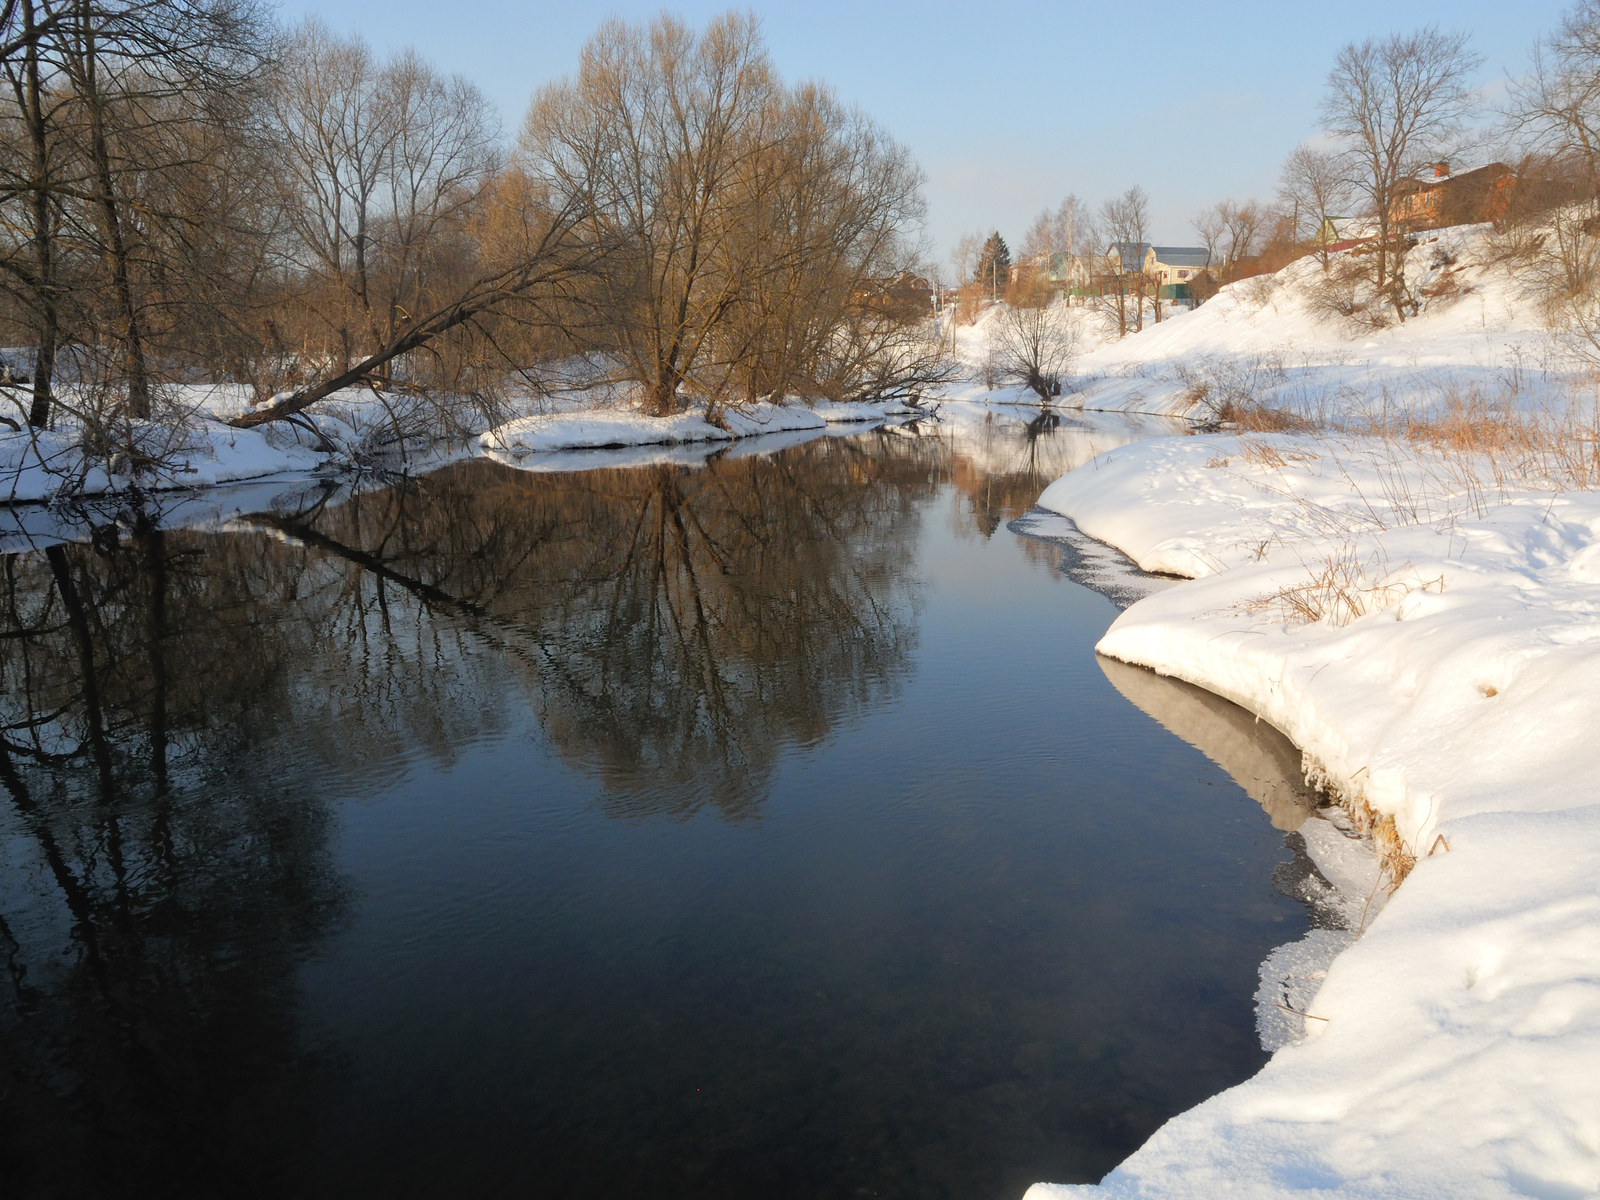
[1341,587]
[1488,442]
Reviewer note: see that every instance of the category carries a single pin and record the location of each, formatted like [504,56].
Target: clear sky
[1008,106]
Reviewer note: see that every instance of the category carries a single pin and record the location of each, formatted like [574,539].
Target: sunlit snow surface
[1458,1050]
[1270,337]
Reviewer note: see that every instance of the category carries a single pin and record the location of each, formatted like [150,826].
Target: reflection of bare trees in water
[154,901]
[1001,468]
[176,706]
[673,628]
[1001,464]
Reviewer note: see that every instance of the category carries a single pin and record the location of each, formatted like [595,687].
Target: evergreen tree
[994,265]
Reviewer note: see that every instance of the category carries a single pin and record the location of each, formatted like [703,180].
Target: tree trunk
[116,248]
[49,316]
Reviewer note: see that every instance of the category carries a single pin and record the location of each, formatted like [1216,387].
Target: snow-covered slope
[1450,690]
[1273,339]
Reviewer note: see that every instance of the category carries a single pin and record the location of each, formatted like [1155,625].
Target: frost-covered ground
[1271,340]
[1452,691]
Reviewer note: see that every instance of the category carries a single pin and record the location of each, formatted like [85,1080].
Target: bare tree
[1313,184]
[532,260]
[1394,103]
[111,97]
[654,141]
[33,174]
[1066,229]
[823,251]
[964,256]
[1035,345]
[1124,223]
[176,201]
[1060,242]
[1212,230]
[755,232]
[382,164]
[1558,101]
[1243,221]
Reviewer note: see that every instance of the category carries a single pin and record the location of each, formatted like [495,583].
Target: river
[752,823]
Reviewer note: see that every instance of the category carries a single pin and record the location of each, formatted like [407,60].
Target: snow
[572,431]
[542,433]
[556,462]
[848,412]
[195,448]
[1457,1052]
[758,419]
[37,465]
[1269,340]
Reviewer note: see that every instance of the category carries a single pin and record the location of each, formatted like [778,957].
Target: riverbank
[194,447]
[1433,646]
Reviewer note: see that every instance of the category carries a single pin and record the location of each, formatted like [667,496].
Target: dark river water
[761,827]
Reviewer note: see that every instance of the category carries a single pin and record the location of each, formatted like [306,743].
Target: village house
[906,292]
[1443,199]
[1175,268]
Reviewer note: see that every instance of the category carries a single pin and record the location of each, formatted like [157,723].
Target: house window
[1183,274]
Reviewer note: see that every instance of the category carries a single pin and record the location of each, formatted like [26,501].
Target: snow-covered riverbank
[350,428]
[1451,688]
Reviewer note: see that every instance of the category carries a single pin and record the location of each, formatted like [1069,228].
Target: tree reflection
[673,628]
[180,708]
[155,901]
[1001,461]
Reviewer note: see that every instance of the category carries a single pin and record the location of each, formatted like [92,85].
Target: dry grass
[1248,417]
[1490,443]
[1265,454]
[1396,857]
[1453,452]
[1341,587]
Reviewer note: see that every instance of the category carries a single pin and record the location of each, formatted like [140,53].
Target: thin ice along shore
[1433,653]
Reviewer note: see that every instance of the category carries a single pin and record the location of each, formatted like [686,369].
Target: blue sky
[1007,106]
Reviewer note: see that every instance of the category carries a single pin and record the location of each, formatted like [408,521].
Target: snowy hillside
[1273,339]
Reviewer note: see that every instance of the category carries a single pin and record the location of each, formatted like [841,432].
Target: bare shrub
[992,369]
[1344,292]
[1240,393]
[1035,347]
[1252,417]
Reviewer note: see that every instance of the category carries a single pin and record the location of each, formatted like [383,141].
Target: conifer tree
[994,265]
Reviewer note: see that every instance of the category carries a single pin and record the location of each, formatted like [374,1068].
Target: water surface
[760,825]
